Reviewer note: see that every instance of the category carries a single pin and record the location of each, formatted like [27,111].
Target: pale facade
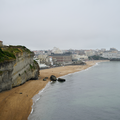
[75,57]
[79,57]
[111,55]
[45,59]
[83,57]
[64,59]
[90,52]
[57,51]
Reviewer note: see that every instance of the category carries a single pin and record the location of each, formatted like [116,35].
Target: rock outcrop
[61,80]
[16,66]
[53,78]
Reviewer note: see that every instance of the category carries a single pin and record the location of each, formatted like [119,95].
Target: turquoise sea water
[92,94]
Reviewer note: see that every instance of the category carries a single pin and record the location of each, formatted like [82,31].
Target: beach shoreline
[16,104]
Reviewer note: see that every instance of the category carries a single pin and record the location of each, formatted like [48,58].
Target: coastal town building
[57,51]
[103,49]
[83,57]
[72,51]
[76,57]
[45,59]
[42,52]
[65,58]
[113,53]
[113,49]
[90,52]
[60,57]
[81,52]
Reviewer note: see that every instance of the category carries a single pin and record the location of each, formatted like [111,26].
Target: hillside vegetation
[97,57]
[8,53]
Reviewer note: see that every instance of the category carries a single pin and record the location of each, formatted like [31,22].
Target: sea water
[92,94]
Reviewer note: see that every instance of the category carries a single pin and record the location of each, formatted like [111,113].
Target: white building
[57,51]
[111,55]
[75,57]
[79,57]
[83,57]
[90,52]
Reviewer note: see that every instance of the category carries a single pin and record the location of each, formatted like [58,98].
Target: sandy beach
[16,104]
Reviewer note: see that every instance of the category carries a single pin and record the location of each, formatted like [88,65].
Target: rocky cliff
[16,66]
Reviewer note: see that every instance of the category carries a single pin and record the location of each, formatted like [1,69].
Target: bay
[91,94]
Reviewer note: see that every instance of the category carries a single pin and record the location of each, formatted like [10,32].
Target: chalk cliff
[16,66]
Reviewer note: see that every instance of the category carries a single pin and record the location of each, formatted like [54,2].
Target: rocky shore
[16,103]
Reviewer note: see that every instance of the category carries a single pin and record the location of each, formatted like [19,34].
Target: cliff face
[6,75]
[15,72]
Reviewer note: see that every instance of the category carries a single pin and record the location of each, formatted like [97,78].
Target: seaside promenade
[16,104]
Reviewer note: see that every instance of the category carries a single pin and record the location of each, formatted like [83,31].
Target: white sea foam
[91,67]
[37,97]
[31,111]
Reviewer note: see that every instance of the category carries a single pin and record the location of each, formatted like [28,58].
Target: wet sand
[16,104]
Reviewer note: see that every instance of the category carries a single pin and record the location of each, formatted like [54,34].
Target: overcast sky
[76,24]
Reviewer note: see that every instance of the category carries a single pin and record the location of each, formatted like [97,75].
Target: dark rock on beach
[61,80]
[44,79]
[53,78]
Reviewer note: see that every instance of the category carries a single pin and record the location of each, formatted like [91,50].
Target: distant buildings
[113,49]
[57,51]
[65,58]
[76,57]
[83,57]
[45,59]
[90,52]
[113,53]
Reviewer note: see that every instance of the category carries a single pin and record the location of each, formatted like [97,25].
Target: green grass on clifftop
[17,49]
[6,56]
[8,53]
